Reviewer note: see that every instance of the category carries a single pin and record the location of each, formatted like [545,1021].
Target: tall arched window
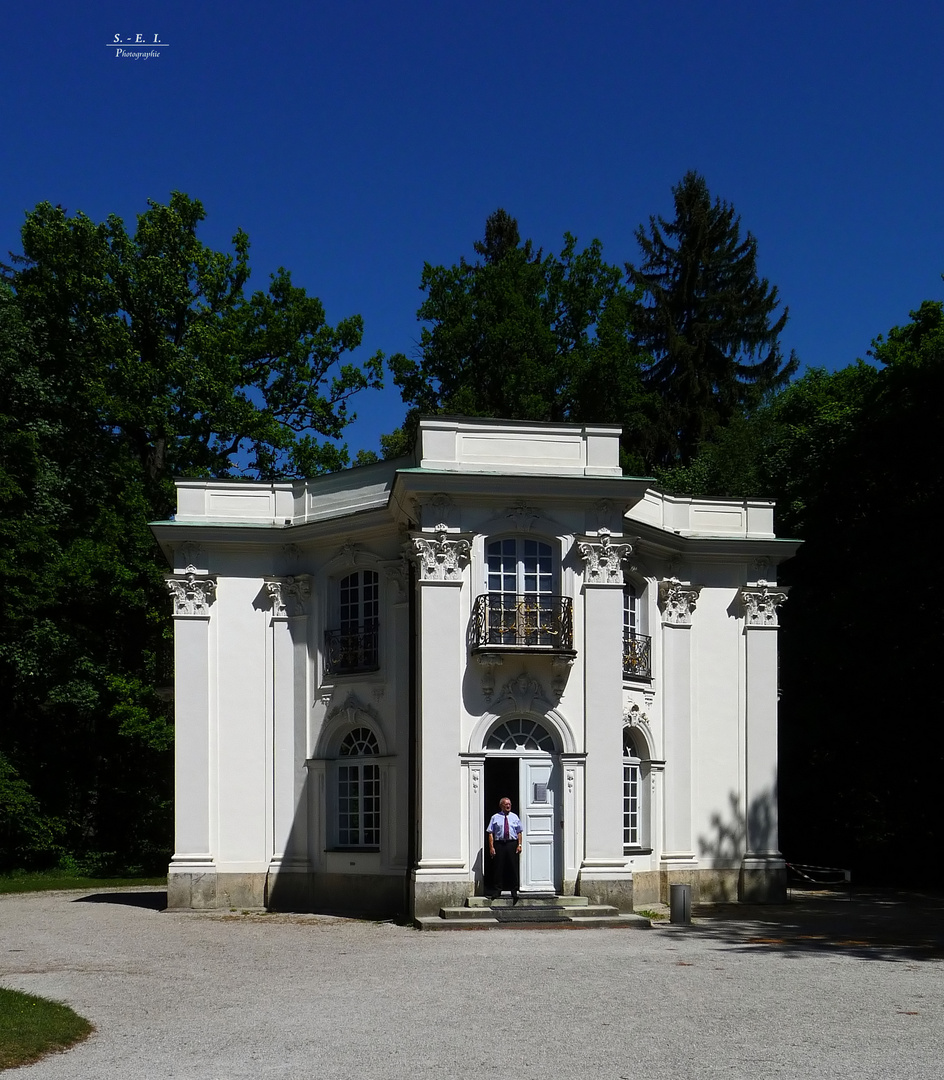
[359,790]
[353,646]
[632,792]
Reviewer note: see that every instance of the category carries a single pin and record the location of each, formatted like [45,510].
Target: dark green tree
[707,319]
[124,360]
[524,335]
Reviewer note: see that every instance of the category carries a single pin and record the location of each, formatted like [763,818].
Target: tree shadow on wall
[735,833]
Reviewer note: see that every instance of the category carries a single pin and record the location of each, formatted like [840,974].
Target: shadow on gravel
[872,925]
[156,901]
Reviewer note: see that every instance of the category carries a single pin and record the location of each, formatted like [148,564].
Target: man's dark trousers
[506,866]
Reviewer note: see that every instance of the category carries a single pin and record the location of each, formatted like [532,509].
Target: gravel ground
[820,989]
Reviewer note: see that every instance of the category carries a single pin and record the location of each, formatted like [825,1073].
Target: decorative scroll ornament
[396,572]
[635,718]
[522,692]
[761,603]
[560,665]
[603,561]
[441,559]
[522,515]
[288,595]
[677,601]
[440,506]
[192,593]
[604,513]
[349,552]
[488,662]
[190,556]
[353,710]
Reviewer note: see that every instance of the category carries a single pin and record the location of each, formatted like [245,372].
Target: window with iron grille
[353,645]
[637,646]
[519,608]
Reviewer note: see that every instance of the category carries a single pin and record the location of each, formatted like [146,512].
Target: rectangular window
[359,805]
[630,805]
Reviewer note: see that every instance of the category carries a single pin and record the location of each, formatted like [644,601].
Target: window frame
[357,763]
[355,633]
[636,795]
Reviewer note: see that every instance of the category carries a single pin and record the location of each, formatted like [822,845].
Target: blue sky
[354,141]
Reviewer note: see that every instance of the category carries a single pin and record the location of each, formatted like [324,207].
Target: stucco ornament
[288,595]
[441,559]
[441,507]
[677,601]
[522,515]
[560,666]
[192,593]
[349,552]
[603,560]
[635,719]
[489,663]
[522,692]
[396,572]
[354,711]
[761,603]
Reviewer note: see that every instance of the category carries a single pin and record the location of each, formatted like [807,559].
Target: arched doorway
[521,761]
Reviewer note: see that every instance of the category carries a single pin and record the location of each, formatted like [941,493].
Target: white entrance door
[539,813]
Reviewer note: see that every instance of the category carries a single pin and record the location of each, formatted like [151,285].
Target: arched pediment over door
[523,698]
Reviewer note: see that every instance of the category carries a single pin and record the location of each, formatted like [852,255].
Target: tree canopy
[125,360]
[525,335]
[707,319]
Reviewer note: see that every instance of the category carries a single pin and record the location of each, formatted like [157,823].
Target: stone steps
[535,912]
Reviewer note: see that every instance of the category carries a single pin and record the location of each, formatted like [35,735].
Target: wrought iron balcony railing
[531,620]
[352,649]
[637,656]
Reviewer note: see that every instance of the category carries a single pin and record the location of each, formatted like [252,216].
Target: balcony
[352,650]
[532,621]
[637,656]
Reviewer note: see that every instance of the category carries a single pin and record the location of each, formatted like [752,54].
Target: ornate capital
[760,604]
[288,595]
[441,559]
[677,601]
[603,560]
[192,593]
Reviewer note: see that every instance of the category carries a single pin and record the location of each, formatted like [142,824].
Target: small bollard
[680,903]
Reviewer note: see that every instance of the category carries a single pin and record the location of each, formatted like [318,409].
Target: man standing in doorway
[504,846]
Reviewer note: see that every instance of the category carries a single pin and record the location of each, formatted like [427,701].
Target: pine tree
[706,318]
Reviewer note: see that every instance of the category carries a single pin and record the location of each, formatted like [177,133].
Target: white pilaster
[194,667]
[678,603]
[604,872]
[440,843]
[288,627]
[763,869]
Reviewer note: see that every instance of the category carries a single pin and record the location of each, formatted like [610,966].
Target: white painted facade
[367,661]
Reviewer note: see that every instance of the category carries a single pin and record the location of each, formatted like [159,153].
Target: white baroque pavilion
[367,661]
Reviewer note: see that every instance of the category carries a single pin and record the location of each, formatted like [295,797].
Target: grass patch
[39,881]
[648,913]
[31,1027]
